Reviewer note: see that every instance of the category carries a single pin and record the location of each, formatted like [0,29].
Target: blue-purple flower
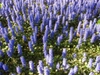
[31,65]
[19,49]
[97,69]
[64,53]
[1,53]
[30,46]
[71,35]
[90,63]
[71,72]
[24,38]
[64,62]
[5,68]
[46,71]
[91,73]
[40,70]
[1,64]
[58,66]
[22,59]
[18,69]
[9,53]
[93,38]
[75,69]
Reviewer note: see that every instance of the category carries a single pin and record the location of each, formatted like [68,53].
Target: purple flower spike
[24,12]
[41,64]
[85,24]
[97,69]
[50,61]
[13,33]
[58,40]
[19,49]
[45,49]
[6,31]
[79,26]
[97,60]
[9,53]
[80,41]
[58,66]
[52,34]
[47,59]
[86,34]
[51,52]
[1,64]
[67,66]
[45,46]
[55,27]
[22,59]
[50,24]
[24,38]
[18,70]
[35,37]
[1,53]
[90,62]
[93,38]
[31,65]
[42,27]
[71,72]
[12,41]
[91,25]
[30,46]
[6,38]
[63,20]
[71,35]
[64,53]
[5,68]
[46,71]
[64,62]
[75,69]
[39,69]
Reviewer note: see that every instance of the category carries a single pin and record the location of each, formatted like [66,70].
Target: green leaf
[98,22]
[0,5]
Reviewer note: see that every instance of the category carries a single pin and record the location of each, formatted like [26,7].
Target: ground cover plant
[49,37]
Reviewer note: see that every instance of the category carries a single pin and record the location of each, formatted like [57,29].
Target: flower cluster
[44,37]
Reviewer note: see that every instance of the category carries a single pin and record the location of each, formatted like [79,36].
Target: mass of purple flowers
[49,37]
